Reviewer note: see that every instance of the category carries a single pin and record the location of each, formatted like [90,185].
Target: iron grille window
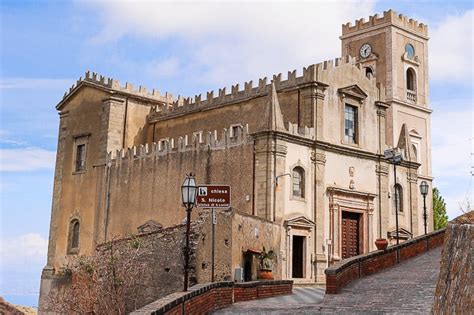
[298,182]
[399,197]
[350,124]
[81,158]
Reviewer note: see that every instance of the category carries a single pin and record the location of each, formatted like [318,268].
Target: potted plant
[266,264]
[381,243]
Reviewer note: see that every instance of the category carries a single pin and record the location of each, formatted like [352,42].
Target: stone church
[303,152]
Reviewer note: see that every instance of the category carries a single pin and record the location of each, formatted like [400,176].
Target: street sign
[213,196]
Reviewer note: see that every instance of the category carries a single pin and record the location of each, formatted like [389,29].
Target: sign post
[213,197]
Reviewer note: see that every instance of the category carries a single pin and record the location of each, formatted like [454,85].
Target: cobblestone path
[407,288]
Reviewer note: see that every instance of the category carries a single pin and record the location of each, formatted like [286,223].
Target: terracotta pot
[381,243]
[265,274]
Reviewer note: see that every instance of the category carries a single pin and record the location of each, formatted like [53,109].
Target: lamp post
[424,191]
[188,195]
[395,156]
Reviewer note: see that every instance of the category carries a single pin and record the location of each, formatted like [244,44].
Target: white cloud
[235,40]
[27,83]
[452,144]
[27,248]
[26,159]
[451,49]
[164,68]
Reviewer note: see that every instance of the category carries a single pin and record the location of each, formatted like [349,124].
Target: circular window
[410,51]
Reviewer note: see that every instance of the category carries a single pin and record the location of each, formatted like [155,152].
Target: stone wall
[455,282]
[8,309]
[204,298]
[348,270]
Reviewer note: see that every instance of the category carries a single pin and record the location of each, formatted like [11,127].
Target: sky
[188,48]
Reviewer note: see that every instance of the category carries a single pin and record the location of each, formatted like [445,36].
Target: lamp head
[424,188]
[188,191]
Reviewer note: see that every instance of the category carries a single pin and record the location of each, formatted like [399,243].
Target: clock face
[365,50]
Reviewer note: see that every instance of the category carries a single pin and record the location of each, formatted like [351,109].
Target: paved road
[407,288]
[301,299]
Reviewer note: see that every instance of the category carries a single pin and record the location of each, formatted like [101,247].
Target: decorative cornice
[412,177]
[318,157]
[353,91]
[342,191]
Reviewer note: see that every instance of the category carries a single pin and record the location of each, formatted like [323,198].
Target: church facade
[303,152]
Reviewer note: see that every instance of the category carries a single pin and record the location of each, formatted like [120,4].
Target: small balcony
[411,96]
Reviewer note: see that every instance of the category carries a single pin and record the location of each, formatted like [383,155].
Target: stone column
[336,254]
[414,191]
[370,228]
[319,160]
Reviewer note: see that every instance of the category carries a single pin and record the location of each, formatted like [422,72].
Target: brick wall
[204,298]
[348,270]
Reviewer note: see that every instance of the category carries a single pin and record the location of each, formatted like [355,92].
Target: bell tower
[394,49]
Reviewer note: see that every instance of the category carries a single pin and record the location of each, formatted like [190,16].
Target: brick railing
[203,298]
[348,270]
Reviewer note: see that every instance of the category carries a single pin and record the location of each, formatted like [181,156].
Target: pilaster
[312,98]
[382,170]
[270,160]
[112,126]
[318,158]
[412,179]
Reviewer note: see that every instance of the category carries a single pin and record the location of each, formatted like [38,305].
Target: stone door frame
[359,202]
[300,226]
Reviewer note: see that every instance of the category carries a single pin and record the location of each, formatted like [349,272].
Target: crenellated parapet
[389,17]
[112,84]
[212,140]
[237,93]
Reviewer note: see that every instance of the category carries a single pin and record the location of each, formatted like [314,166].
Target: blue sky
[188,48]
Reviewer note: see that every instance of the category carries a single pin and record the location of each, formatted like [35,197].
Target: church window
[74,229]
[80,157]
[410,51]
[369,73]
[411,79]
[298,182]
[399,197]
[350,124]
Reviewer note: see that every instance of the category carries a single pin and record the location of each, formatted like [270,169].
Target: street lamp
[395,156]
[188,195]
[424,191]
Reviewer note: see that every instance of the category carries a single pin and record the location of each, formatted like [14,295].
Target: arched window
[410,51]
[399,197]
[411,79]
[369,73]
[298,182]
[74,229]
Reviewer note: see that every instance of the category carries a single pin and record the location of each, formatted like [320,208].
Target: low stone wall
[203,298]
[453,293]
[348,270]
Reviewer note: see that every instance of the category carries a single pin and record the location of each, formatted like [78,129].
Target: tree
[440,217]
[106,282]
